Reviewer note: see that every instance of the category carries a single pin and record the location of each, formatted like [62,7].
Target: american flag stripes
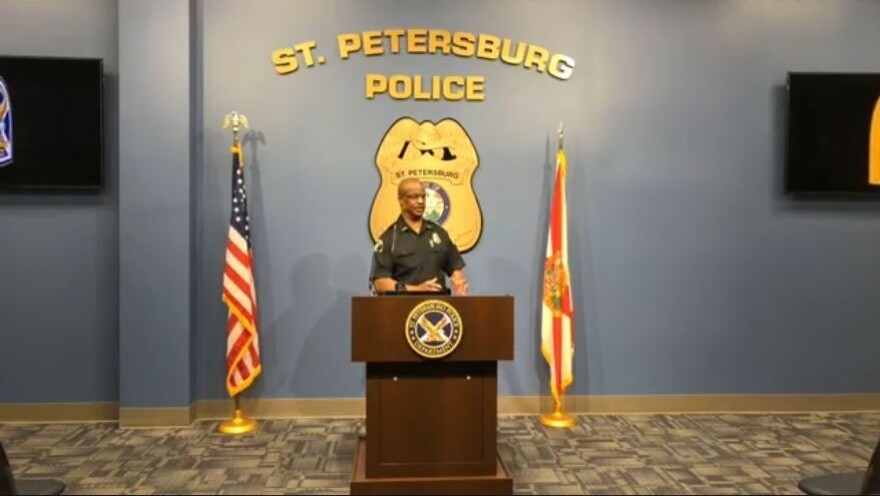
[239,290]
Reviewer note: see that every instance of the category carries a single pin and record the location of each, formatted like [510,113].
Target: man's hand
[459,283]
[429,285]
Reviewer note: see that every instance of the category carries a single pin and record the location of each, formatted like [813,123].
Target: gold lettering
[372,43]
[415,87]
[376,84]
[463,44]
[306,49]
[448,92]
[348,43]
[394,36]
[475,90]
[537,57]
[416,40]
[439,40]
[488,47]
[435,88]
[515,59]
[399,87]
[419,93]
[285,60]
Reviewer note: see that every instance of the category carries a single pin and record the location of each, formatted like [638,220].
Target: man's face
[412,199]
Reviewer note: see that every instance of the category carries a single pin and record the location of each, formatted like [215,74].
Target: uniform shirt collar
[403,226]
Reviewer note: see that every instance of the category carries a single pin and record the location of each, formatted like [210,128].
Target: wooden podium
[431,422]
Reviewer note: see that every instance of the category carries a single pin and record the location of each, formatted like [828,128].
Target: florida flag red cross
[239,291]
[557,340]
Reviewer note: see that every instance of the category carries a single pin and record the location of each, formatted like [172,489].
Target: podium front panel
[431,420]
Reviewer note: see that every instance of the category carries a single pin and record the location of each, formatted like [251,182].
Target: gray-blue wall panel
[58,279]
[154,206]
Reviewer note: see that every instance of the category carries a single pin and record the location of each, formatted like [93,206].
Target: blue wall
[155,204]
[693,273]
[59,294]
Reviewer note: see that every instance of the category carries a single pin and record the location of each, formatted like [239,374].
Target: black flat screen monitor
[833,125]
[51,126]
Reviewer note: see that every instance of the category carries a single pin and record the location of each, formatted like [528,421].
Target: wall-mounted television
[833,134]
[51,123]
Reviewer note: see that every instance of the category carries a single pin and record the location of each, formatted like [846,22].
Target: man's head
[411,196]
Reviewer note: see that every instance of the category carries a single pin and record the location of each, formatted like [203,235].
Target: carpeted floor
[616,454]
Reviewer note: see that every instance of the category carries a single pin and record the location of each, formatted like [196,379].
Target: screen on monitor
[51,129]
[833,133]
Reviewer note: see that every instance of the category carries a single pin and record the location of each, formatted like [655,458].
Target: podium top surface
[380,326]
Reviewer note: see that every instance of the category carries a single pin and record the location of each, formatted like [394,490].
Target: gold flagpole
[558,418]
[239,424]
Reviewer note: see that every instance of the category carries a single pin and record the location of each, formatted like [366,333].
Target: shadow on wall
[312,337]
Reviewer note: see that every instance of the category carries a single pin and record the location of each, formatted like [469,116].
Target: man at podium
[415,254]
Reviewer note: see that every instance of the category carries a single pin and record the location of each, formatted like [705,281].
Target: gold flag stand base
[239,424]
[558,418]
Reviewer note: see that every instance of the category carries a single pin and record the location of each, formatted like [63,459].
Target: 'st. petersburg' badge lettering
[434,329]
[5,125]
[443,157]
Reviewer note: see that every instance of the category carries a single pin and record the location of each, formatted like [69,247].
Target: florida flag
[557,339]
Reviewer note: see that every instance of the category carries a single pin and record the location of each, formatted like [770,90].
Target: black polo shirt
[412,258]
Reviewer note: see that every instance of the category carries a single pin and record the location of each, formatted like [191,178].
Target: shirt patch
[380,246]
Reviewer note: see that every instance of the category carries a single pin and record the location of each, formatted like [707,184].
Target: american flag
[239,291]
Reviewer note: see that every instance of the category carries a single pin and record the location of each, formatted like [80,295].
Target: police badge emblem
[5,125]
[443,157]
[434,329]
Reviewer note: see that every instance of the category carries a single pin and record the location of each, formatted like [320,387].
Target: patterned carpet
[618,454]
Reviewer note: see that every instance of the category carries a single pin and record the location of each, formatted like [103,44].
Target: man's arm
[459,282]
[454,266]
[385,284]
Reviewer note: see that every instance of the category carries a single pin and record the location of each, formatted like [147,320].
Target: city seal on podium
[434,329]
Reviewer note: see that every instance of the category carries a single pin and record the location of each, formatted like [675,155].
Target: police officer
[415,254]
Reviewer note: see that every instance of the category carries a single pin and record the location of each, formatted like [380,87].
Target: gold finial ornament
[236,121]
[559,136]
